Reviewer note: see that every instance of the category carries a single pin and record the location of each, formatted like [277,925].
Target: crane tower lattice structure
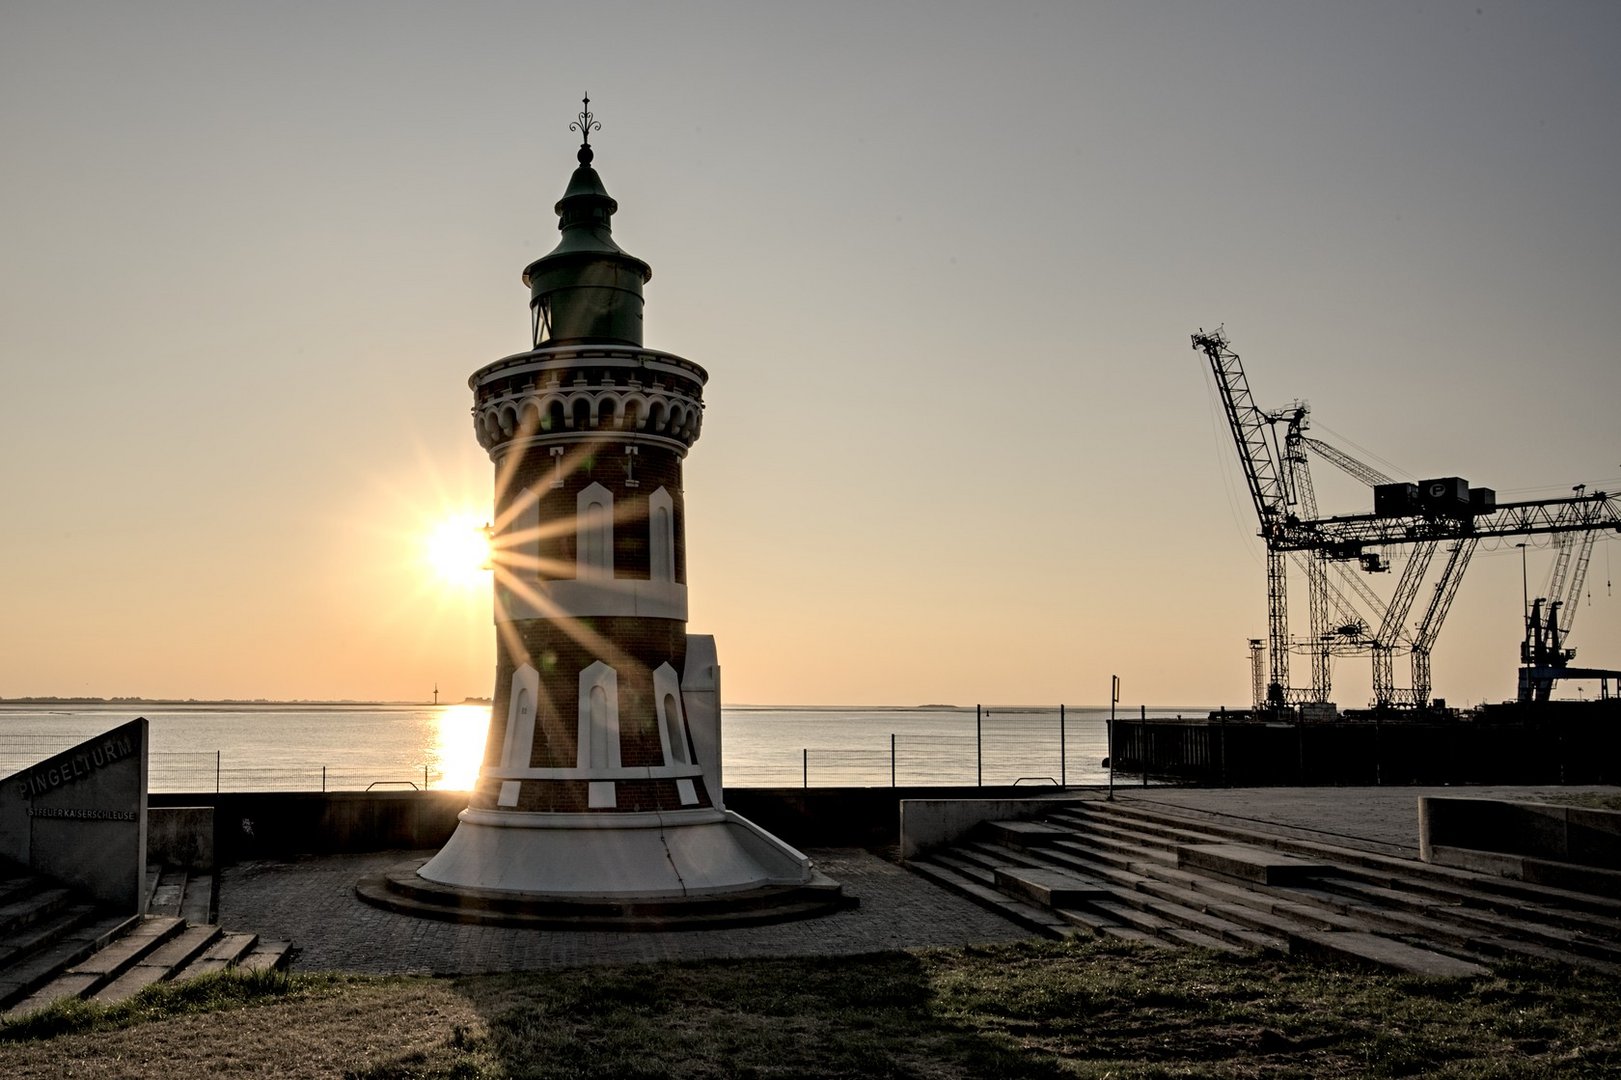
[1347,617]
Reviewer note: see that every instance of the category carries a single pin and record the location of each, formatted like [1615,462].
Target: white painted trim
[509,793]
[599,730]
[594,534]
[667,687]
[700,701]
[518,745]
[623,596]
[661,537]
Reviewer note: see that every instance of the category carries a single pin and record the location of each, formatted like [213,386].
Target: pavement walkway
[311,901]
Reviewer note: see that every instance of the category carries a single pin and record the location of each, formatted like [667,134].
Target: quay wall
[1573,748]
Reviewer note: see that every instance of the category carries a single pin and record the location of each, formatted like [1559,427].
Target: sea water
[356,747]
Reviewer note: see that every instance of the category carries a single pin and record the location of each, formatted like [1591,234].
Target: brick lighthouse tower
[599,797]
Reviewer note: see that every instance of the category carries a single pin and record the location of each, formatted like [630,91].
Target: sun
[457,550]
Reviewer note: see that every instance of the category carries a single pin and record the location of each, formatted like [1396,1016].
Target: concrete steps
[53,944]
[1180,878]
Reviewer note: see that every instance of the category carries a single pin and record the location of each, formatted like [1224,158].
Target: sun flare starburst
[458,551]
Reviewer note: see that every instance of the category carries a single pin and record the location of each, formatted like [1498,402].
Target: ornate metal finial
[585,125]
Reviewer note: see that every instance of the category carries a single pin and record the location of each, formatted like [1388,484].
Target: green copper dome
[587,288]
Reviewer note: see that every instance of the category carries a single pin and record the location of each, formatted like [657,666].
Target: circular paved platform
[311,901]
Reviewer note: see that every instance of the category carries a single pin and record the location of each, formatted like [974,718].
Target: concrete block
[180,836]
[1569,834]
[1248,864]
[80,816]
[1049,888]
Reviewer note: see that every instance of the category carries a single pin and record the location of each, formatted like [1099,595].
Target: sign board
[80,816]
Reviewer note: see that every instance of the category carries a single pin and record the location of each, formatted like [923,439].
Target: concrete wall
[1573,834]
[180,836]
[928,823]
[249,825]
[275,824]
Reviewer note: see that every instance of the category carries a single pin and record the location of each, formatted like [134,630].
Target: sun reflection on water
[459,744]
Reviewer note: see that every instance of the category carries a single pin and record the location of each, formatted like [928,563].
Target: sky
[941,261]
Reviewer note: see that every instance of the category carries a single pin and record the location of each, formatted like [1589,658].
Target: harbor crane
[1347,616]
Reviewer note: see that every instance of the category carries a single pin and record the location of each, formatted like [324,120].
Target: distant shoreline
[254,703]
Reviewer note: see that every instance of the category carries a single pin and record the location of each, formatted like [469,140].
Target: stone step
[1246,863]
[1458,916]
[1049,887]
[1246,925]
[42,933]
[159,965]
[1254,916]
[1021,833]
[33,905]
[20,980]
[996,856]
[104,965]
[17,885]
[1128,916]
[267,956]
[1117,852]
[1030,916]
[1384,953]
[1088,823]
[1201,940]
[1467,922]
[228,950]
[1087,920]
[1353,859]
[968,868]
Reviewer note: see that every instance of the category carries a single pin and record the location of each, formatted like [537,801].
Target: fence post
[216,772]
[1114,696]
[979,746]
[891,759]
[1063,779]
[804,764]
[1142,738]
[424,777]
[323,779]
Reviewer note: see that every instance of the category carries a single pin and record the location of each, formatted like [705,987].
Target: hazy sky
[941,260]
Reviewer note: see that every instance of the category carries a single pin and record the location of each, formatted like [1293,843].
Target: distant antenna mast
[436,693]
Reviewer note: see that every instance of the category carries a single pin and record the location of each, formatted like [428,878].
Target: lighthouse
[599,797]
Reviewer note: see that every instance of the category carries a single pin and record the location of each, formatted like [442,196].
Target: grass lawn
[1084,1009]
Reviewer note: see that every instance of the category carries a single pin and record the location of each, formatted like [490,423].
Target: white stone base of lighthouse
[633,870]
[642,856]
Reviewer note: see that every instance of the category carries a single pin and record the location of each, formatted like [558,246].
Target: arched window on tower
[599,730]
[594,532]
[661,536]
[673,728]
[519,742]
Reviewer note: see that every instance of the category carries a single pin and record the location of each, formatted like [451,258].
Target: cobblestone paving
[311,902]
[1385,815]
